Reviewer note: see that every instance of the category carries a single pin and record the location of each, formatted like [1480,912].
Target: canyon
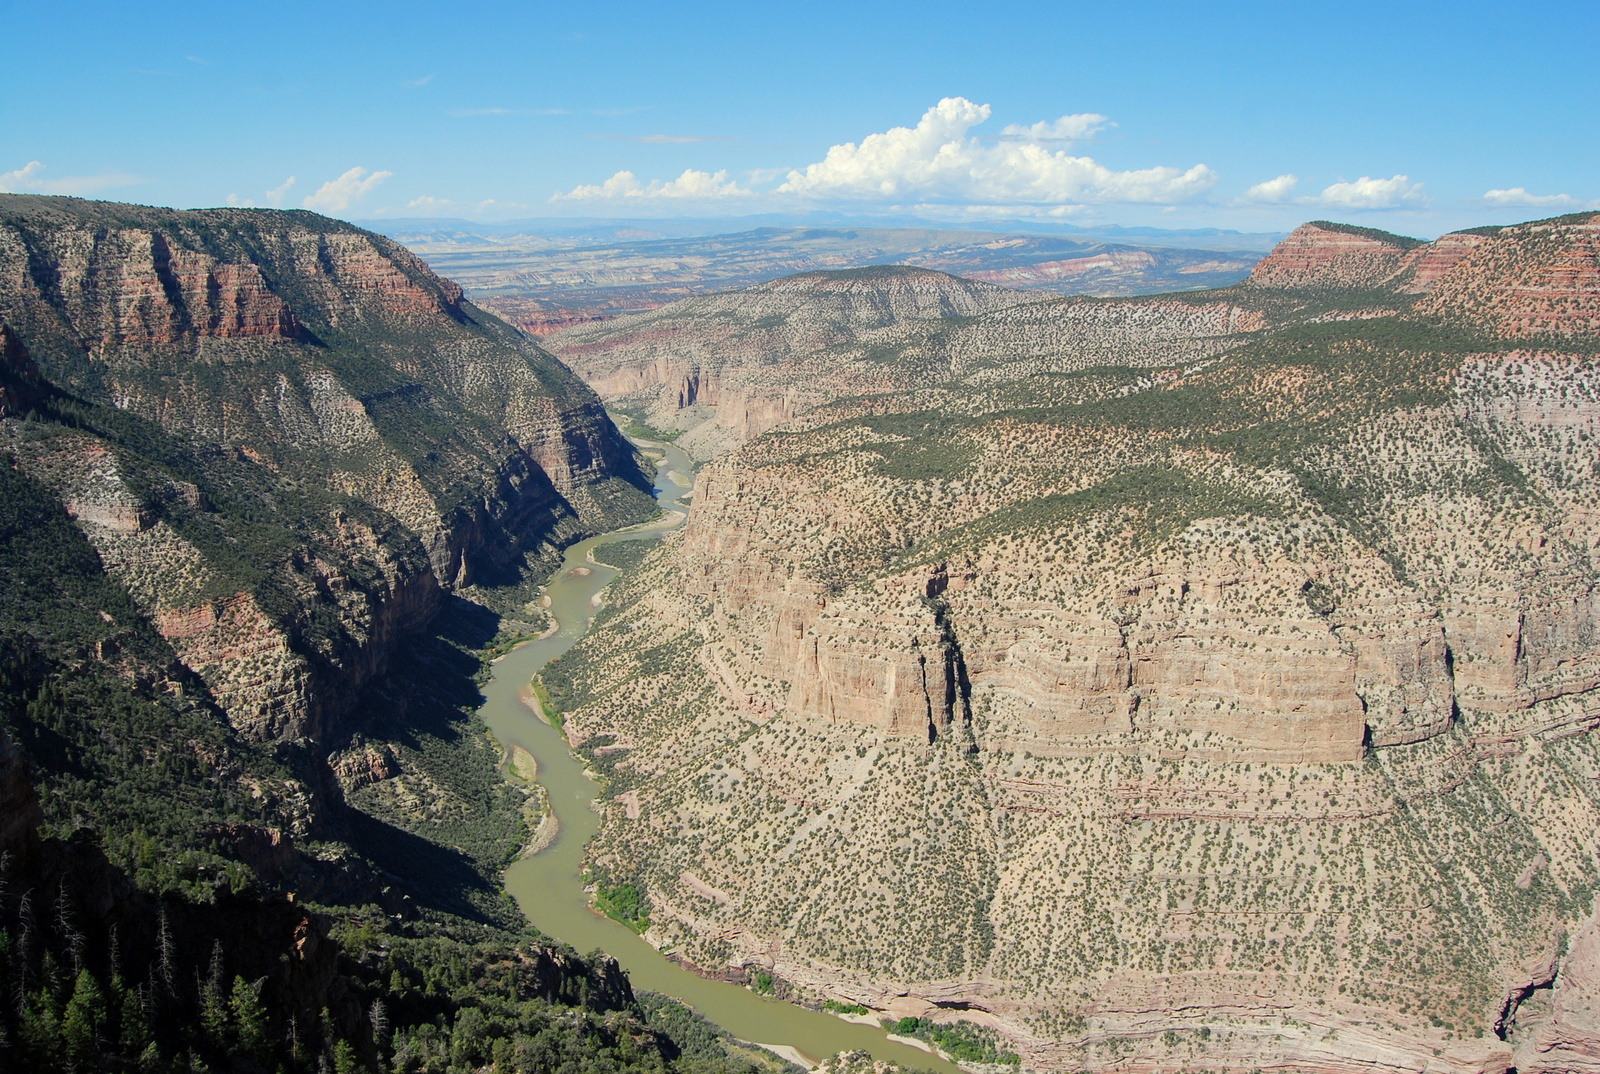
[1205,679]
[719,369]
[271,495]
[1195,680]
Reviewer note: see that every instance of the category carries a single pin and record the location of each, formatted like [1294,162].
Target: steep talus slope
[1230,711]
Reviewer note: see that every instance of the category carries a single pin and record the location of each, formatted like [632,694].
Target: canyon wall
[1226,702]
[288,438]
[723,369]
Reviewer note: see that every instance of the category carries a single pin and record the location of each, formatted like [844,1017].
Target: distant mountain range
[545,275]
[603,229]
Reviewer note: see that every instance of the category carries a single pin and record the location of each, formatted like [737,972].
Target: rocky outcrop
[1527,281]
[138,291]
[1324,255]
[361,764]
[1554,1024]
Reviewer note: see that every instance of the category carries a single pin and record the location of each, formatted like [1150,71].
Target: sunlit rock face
[1225,702]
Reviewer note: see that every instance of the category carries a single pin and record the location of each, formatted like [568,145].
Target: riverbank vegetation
[963,1041]
[623,903]
[833,1006]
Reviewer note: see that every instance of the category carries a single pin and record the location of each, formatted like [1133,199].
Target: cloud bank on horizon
[1028,169]
[940,162]
[30,179]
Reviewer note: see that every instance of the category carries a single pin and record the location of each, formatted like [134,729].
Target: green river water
[548,885]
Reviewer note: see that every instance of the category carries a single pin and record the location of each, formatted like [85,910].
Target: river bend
[547,885]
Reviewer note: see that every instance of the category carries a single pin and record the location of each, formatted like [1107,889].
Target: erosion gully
[548,885]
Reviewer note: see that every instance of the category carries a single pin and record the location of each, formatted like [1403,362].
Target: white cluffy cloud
[338,195]
[1273,191]
[1519,196]
[1397,192]
[27,179]
[940,164]
[1072,128]
[275,196]
[625,185]
[937,161]
[22,179]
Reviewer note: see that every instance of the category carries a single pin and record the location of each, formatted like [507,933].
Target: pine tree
[134,1034]
[41,1033]
[215,1020]
[84,1019]
[344,1059]
[249,1019]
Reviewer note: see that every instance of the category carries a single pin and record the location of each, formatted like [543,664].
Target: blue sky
[1414,117]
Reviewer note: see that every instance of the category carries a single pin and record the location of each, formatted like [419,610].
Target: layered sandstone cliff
[1528,281]
[726,368]
[1323,254]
